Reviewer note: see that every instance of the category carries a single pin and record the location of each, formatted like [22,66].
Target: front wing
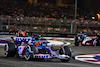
[49,56]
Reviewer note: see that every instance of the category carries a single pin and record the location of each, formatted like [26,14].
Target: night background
[91,6]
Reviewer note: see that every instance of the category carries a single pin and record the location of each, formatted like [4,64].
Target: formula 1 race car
[30,48]
[84,40]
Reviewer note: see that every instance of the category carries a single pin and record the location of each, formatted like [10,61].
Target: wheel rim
[6,50]
[27,55]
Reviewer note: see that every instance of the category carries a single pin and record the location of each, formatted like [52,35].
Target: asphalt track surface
[20,62]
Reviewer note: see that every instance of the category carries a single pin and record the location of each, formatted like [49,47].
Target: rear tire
[10,49]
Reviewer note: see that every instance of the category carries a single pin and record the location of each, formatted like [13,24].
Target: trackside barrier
[56,38]
[67,41]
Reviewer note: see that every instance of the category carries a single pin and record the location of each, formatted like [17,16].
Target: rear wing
[19,40]
[23,39]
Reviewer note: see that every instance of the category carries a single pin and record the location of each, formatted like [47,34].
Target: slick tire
[10,49]
[67,51]
[28,55]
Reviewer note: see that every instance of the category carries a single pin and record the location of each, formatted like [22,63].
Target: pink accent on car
[20,49]
[41,54]
[50,57]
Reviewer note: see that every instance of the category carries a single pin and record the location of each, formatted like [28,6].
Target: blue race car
[36,49]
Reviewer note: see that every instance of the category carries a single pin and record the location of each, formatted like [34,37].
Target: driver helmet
[30,42]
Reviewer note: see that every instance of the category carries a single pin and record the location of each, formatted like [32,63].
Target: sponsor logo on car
[23,38]
[41,56]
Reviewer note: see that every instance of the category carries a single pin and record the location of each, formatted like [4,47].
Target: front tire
[28,55]
[67,51]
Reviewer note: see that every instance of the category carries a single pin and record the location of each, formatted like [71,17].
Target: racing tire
[67,51]
[28,55]
[95,42]
[10,50]
[79,44]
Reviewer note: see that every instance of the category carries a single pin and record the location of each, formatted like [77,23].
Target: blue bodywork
[6,40]
[83,35]
[52,52]
[23,38]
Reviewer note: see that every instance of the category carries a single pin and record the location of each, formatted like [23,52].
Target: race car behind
[84,40]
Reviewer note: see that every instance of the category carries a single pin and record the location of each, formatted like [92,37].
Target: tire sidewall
[28,55]
[6,50]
